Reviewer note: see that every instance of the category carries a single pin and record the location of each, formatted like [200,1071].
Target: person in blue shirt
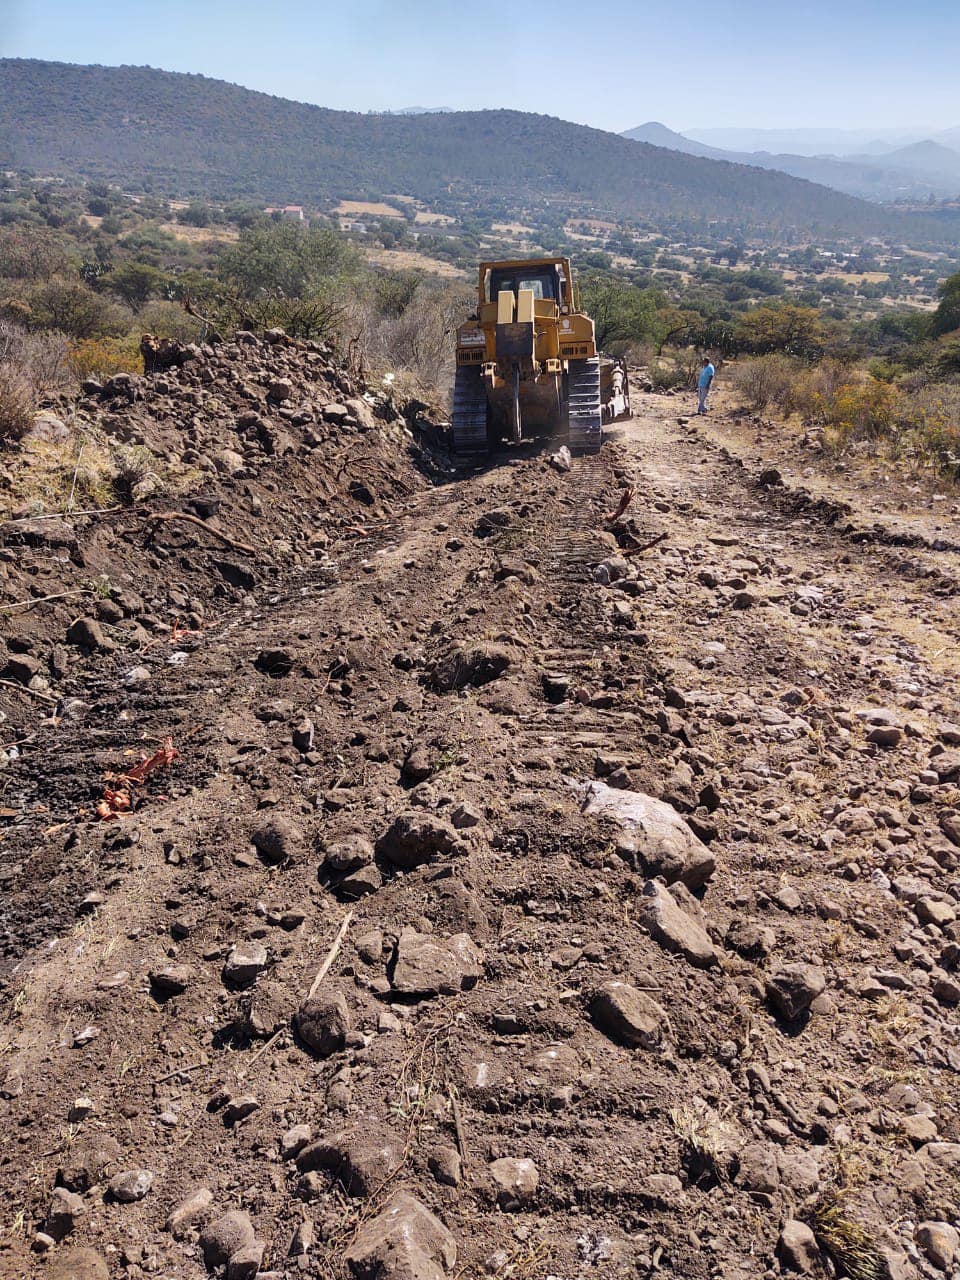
[704,383]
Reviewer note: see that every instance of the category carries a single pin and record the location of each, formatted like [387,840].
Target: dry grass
[84,470]
[406,260]
[851,1246]
[372,208]
[200,235]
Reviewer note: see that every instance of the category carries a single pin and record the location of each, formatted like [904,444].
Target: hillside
[192,135]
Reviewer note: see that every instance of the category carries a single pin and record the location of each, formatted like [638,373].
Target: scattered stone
[428,966]
[278,838]
[245,1263]
[673,928]
[225,1236]
[294,1140]
[889,735]
[268,1008]
[516,1182]
[359,1159]
[238,1109]
[629,1016]
[188,1212]
[62,1213]
[446,1166]
[349,854]
[798,1248]
[86,633]
[404,1242]
[322,1022]
[245,963]
[793,988]
[131,1185]
[414,838]
[172,980]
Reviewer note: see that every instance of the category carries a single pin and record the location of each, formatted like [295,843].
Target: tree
[135,283]
[284,259]
[74,309]
[621,312]
[798,331]
[946,318]
[197,214]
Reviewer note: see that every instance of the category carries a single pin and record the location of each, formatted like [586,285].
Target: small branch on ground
[154,517]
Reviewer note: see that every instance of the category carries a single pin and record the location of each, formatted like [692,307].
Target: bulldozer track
[585,413]
[469,420]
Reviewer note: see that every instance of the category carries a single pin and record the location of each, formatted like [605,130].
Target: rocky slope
[517,905]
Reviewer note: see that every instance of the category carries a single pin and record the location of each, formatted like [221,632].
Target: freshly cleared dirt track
[379,947]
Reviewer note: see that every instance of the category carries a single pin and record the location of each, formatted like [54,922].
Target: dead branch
[34,693]
[60,595]
[645,546]
[156,516]
[331,955]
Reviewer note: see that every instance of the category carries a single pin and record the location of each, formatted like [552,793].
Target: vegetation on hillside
[162,132]
[86,269]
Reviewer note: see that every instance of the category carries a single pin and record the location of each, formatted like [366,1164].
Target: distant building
[289,212]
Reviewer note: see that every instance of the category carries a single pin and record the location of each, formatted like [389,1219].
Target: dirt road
[716,1041]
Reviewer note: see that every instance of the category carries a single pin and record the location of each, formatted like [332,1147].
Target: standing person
[704,383]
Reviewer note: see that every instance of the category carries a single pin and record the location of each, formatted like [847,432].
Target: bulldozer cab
[544,282]
[548,279]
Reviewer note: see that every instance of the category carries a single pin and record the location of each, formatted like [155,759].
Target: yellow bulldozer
[527,362]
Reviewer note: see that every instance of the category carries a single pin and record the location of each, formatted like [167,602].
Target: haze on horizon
[842,64]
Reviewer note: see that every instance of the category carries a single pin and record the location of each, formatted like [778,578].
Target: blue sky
[770,63]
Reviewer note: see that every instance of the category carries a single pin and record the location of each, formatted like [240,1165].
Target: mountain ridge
[193,135]
[918,169]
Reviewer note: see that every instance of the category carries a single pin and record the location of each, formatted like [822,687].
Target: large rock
[415,837]
[278,838]
[225,1236]
[322,1022]
[654,831]
[629,1016]
[940,1243]
[245,963]
[465,665]
[792,989]
[404,1242]
[946,765]
[673,928]
[516,1182]
[431,966]
[798,1248]
[361,1160]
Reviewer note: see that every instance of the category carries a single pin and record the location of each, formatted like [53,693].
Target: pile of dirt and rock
[545,884]
[236,468]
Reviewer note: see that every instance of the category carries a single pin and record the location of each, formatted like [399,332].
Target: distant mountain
[810,142]
[190,135]
[931,159]
[920,169]
[658,135]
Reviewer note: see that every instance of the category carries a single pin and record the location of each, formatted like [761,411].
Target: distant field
[512,228]
[403,260]
[200,235]
[373,209]
[425,218]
